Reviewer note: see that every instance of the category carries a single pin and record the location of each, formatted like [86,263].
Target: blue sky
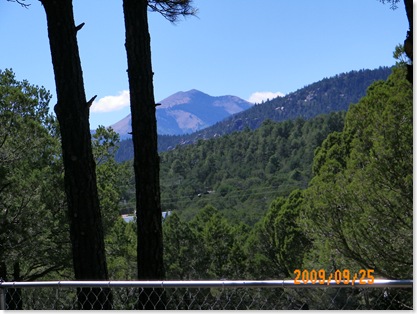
[245,48]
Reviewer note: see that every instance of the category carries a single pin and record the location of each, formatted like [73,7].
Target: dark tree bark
[72,110]
[144,135]
[408,43]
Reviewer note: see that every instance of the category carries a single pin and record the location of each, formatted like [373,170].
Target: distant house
[130,218]
[166,214]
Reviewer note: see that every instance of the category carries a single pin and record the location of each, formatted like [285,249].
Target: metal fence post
[2,297]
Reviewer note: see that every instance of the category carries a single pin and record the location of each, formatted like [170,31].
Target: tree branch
[36,276]
[21,2]
[172,9]
[90,102]
[393,3]
[78,27]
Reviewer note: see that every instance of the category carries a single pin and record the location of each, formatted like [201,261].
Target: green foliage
[181,251]
[112,183]
[291,242]
[400,55]
[355,214]
[211,247]
[121,250]
[112,177]
[360,202]
[277,245]
[332,192]
[104,142]
[172,9]
[241,173]
[34,233]
[215,236]
[208,247]
[261,246]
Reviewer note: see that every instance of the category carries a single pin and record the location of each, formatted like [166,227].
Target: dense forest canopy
[32,187]
[331,191]
[241,173]
[319,179]
[356,212]
[353,211]
[31,184]
[363,184]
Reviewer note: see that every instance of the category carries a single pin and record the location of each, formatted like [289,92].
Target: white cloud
[111,103]
[258,97]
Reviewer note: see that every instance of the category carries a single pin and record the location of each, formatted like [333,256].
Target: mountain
[188,112]
[332,94]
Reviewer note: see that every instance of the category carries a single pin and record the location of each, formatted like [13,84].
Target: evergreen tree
[33,239]
[360,200]
[72,110]
[144,136]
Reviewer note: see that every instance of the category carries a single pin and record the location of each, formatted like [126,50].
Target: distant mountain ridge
[188,112]
[332,94]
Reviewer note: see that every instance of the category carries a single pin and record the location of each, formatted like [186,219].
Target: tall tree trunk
[144,135]
[72,110]
[408,43]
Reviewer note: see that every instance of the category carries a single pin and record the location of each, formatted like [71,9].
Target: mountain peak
[180,98]
[190,111]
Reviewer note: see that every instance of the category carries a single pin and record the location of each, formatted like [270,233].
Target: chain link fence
[206,295]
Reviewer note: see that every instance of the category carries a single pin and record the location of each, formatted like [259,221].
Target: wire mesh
[215,295]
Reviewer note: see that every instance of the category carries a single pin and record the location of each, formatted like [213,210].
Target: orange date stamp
[321,277]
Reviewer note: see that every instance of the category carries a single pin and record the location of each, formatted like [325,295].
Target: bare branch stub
[78,27]
[90,102]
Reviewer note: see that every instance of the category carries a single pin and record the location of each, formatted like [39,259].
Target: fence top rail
[377,283]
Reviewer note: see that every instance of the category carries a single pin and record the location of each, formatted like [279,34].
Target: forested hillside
[242,172]
[356,213]
[304,201]
[331,192]
[328,95]
[332,94]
